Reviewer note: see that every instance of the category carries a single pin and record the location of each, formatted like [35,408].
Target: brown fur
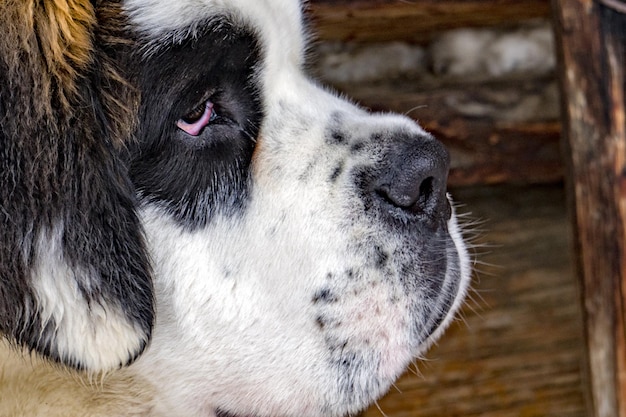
[49,45]
[54,39]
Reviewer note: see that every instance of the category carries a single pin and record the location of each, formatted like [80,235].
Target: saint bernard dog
[193,227]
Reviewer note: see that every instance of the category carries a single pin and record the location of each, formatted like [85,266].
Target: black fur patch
[335,137]
[221,413]
[336,172]
[325,296]
[196,177]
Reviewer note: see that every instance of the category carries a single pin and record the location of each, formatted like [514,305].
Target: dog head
[174,157]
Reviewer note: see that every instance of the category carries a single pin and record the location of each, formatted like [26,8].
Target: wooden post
[592,38]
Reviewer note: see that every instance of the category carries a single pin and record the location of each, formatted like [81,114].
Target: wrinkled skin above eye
[193,122]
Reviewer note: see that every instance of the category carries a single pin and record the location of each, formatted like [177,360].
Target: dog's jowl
[192,227]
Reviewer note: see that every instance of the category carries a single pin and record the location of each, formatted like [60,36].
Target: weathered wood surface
[416,21]
[593,38]
[518,348]
[484,126]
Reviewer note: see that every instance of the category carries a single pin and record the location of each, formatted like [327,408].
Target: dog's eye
[193,122]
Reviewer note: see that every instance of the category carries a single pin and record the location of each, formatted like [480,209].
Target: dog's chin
[366,385]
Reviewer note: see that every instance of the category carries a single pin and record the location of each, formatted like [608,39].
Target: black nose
[415,176]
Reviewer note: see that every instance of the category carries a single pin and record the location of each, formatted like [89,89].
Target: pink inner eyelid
[196,127]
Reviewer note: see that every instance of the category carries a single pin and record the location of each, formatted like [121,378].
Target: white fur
[83,330]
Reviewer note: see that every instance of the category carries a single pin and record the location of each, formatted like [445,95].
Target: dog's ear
[75,280]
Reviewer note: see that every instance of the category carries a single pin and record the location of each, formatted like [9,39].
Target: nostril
[425,192]
[407,197]
[417,199]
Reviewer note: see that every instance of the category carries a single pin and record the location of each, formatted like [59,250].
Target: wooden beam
[592,37]
[415,21]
